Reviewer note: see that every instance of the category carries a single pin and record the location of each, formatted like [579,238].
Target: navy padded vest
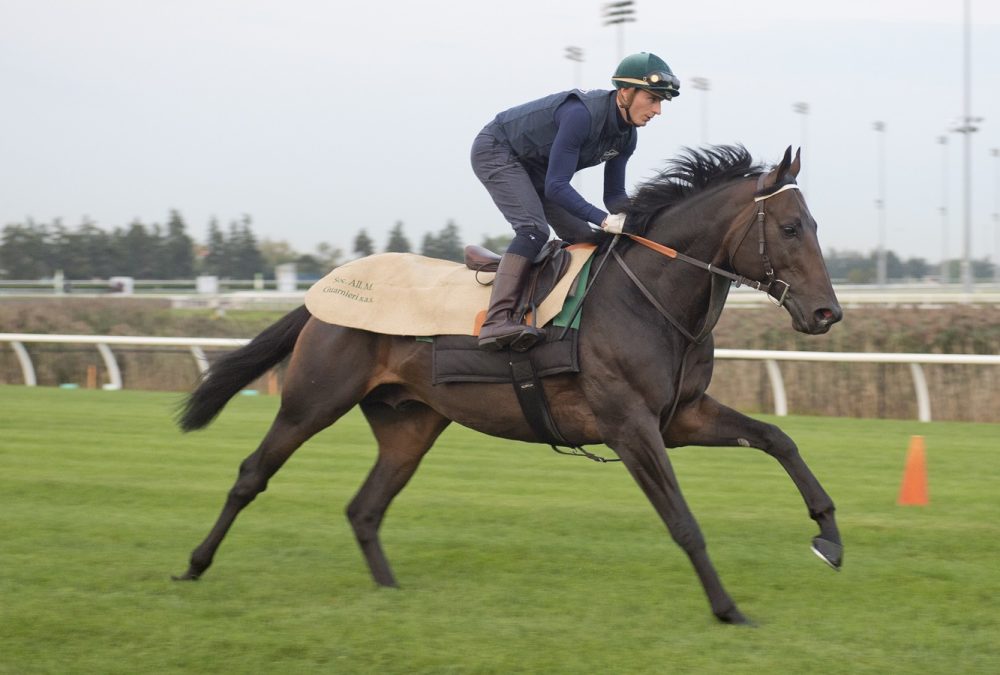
[530,129]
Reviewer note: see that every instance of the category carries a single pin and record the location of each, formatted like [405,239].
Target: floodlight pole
[967,129]
[802,108]
[702,85]
[618,14]
[575,54]
[995,152]
[945,263]
[880,206]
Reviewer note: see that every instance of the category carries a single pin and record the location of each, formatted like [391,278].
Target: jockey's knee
[528,241]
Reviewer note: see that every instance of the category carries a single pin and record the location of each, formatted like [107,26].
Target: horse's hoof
[187,576]
[830,553]
[734,617]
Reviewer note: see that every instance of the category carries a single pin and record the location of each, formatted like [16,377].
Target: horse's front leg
[641,449]
[708,422]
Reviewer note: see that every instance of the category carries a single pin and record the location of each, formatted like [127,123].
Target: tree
[329,256]
[447,245]
[215,256]
[136,250]
[398,243]
[93,254]
[24,252]
[276,253]
[177,249]
[363,244]
[498,243]
[244,259]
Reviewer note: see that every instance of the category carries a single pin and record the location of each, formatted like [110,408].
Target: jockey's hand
[614,224]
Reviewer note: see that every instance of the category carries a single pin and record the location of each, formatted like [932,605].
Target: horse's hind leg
[404,433]
[708,422]
[318,391]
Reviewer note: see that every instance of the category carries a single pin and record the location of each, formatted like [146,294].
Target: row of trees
[858,268]
[447,244]
[34,251]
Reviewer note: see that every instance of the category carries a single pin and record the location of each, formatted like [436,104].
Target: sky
[321,118]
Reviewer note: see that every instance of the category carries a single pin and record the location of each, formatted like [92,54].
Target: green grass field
[511,559]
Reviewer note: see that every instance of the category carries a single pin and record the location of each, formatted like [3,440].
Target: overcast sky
[320,118]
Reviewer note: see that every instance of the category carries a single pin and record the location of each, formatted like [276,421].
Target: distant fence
[769,358]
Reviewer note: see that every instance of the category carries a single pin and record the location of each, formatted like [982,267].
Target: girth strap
[535,406]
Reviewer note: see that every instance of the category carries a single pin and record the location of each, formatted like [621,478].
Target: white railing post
[27,367]
[923,395]
[777,387]
[199,358]
[111,364]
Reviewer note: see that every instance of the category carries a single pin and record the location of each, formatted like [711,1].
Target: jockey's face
[642,105]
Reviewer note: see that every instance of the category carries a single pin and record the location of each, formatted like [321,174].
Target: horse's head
[779,247]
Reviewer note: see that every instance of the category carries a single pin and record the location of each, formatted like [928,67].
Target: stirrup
[520,341]
[527,339]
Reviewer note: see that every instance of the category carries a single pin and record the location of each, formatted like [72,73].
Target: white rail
[104,343]
[769,357]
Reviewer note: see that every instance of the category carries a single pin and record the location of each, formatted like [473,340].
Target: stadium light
[618,14]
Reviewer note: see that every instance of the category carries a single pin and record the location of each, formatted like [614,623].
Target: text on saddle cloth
[409,294]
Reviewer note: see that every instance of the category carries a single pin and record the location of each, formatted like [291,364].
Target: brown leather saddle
[549,266]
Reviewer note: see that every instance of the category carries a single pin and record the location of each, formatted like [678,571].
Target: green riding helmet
[647,71]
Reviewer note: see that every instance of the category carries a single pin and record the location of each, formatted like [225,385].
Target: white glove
[614,224]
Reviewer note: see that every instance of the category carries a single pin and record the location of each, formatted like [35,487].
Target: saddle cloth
[408,294]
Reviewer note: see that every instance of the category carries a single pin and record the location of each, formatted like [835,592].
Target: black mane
[692,172]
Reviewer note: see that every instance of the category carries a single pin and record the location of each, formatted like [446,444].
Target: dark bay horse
[646,357]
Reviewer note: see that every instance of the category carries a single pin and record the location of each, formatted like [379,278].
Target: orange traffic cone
[913,491]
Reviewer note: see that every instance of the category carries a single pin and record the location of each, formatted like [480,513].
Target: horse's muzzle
[823,318]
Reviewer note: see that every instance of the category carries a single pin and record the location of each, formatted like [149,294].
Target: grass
[511,559]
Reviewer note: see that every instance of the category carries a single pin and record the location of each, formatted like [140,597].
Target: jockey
[527,156]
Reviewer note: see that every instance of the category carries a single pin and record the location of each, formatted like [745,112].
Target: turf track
[511,559]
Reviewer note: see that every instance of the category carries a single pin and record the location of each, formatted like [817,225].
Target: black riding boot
[499,330]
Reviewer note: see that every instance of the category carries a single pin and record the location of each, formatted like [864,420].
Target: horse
[644,368]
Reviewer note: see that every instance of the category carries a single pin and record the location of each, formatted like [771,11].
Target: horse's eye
[790,230]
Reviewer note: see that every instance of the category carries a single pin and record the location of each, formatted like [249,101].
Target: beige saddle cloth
[408,294]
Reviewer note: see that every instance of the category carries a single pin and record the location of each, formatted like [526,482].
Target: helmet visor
[661,82]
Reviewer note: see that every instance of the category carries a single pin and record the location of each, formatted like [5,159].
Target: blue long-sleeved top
[574,123]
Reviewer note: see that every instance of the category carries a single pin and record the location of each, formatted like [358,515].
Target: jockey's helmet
[647,71]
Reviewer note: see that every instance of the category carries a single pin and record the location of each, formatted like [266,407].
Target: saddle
[548,268]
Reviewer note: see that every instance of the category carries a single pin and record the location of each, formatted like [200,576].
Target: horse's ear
[796,164]
[783,167]
[778,172]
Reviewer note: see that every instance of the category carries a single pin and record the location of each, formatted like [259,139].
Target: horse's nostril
[826,315]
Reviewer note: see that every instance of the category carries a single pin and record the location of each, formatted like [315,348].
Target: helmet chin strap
[625,104]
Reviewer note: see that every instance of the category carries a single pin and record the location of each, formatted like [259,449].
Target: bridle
[760,196]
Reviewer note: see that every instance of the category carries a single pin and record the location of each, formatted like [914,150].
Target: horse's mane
[692,172]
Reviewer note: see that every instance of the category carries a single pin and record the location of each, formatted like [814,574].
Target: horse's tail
[227,376]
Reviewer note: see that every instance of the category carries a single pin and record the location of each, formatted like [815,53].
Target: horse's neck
[698,229]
